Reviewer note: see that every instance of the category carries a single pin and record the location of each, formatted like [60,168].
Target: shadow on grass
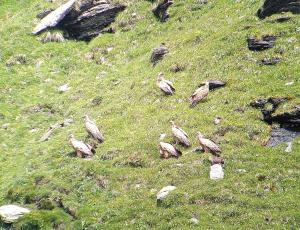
[6,226]
[72,154]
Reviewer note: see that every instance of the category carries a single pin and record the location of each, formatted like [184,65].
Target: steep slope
[117,188]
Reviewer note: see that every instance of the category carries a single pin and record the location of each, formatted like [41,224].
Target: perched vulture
[165,85]
[180,135]
[199,94]
[167,150]
[216,160]
[82,150]
[208,145]
[92,129]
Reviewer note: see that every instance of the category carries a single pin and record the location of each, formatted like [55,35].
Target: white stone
[289,147]
[216,172]
[289,83]
[162,136]
[162,194]
[11,213]
[194,220]
[64,88]
[217,120]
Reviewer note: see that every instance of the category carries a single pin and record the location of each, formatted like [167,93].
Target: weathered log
[266,42]
[158,54]
[277,6]
[89,18]
[161,10]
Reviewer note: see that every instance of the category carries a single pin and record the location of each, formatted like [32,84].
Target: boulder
[278,6]
[89,18]
[11,213]
[161,10]
[81,19]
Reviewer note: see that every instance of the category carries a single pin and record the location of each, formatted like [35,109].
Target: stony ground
[111,79]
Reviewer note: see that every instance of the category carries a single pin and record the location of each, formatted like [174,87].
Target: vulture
[167,150]
[93,130]
[180,135]
[165,85]
[199,94]
[82,149]
[216,160]
[208,145]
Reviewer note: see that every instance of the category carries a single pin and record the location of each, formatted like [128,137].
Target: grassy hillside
[117,188]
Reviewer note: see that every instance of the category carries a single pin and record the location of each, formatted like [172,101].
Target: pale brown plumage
[208,145]
[93,130]
[165,85]
[216,160]
[167,150]
[82,149]
[199,94]
[180,135]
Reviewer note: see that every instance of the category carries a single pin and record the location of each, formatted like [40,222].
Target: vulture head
[173,123]
[86,118]
[200,135]
[160,76]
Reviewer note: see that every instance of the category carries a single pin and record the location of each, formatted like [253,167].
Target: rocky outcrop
[82,19]
[277,6]
[161,10]
[289,121]
[89,18]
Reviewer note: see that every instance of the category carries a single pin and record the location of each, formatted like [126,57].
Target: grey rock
[90,18]
[161,10]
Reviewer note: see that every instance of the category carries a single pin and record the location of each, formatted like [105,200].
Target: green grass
[210,42]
